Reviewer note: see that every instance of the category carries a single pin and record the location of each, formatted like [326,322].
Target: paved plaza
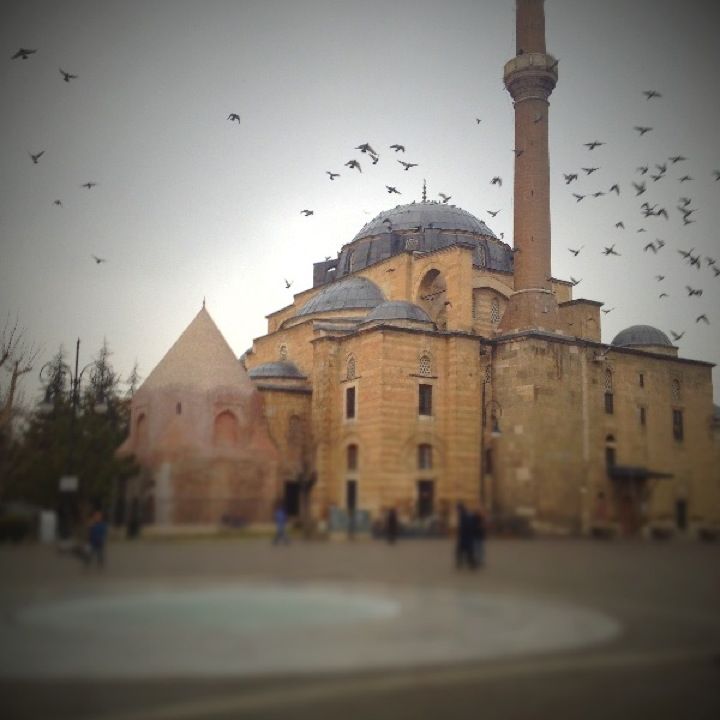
[236,628]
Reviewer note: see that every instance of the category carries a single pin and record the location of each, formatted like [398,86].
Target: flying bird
[374,159]
[642,129]
[642,169]
[659,278]
[620,224]
[650,246]
[23,53]
[662,295]
[639,188]
[590,170]
[574,281]
[716,173]
[649,94]
[576,252]
[353,164]
[89,185]
[36,156]
[288,283]
[593,144]
[407,165]
[518,152]
[693,291]
[609,310]
[392,190]
[478,120]
[676,336]
[676,158]
[597,194]
[657,177]
[496,181]
[67,77]
[98,260]
[716,271]
[398,148]
[578,197]
[615,188]
[569,177]
[57,202]
[445,198]
[610,250]
[366,148]
[493,212]
[702,317]
[332,175]
[307,213]
[684,178]
[662,168]
[234,117]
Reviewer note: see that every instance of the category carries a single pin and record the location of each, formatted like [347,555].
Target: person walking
[392,526]
[465,542]
[97,537]
[479,528]
[280,517]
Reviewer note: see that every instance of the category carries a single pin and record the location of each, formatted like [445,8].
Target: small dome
[398,310]
[352,293]
[641,335]
[278,369]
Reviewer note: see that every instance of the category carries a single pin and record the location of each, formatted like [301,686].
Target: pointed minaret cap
[200,359]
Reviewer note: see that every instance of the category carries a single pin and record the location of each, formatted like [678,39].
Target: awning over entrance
[635,472]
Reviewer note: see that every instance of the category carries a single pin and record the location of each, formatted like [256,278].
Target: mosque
[431,363]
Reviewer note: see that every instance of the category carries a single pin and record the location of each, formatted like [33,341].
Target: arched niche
[225,429]
[432,297]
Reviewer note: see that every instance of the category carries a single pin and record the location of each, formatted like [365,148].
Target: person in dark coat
[479,530]
[97,537]
[465,544]
[280,517]
[392,525]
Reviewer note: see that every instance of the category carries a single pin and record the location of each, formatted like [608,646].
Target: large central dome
[421,227]
[425,215]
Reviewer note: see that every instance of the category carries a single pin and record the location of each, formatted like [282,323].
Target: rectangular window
[425,400]
[642,416]
[425,457]
[350,403]
[426,496]
[677,420]
[610,457]
[609,407]
[641,379]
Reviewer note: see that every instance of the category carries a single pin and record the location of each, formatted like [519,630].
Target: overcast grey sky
[190,205]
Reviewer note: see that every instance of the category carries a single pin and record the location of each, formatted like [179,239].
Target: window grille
[495,311]
[676,390]
[283,352]
[351,370]
[425,366]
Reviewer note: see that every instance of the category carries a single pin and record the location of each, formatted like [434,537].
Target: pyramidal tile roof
[200,358]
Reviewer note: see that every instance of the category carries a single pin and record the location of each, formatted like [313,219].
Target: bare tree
[17,357]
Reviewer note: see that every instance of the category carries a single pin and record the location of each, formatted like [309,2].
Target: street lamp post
[69,487]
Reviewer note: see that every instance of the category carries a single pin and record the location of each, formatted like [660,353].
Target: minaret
[530,77]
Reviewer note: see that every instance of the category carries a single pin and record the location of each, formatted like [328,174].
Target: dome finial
[424,195]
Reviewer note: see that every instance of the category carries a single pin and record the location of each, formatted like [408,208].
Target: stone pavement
[563,628]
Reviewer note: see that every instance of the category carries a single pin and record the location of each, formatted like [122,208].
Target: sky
[190,205]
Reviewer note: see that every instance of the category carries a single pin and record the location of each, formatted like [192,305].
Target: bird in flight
[716,173]
[676,158]
[684,178]
[649,94]
[89,185]
[660,243]
[569,177]
[478,120]
[576,252]
[98,260]
[662,295]
[693,291]
[67,77]
[597,194]
[650,246]
[307,213]
[639,188]
[578,197]
[496,181]
[332,175]
[716,271]
[397,148]
[518,152]
[353,164]
[642,169]
[365,148]
[590,170]
[374,159]
[642,129]
[392,190]
[234,117]
[659,278]
[702,317]
[493,212]
[610,250]
[620,224]
[609,310]
[57,202]
[288,283]
[23,53]
[574,281]
[593,144]
[444,197]
[36,156]
[407,165]
[615,188]
[676,336]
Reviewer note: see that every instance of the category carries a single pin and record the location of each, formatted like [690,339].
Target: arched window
[225,429]
[425,366]
[352,457]
[283,352]
[609,404]
[495,311]
[425,457]
[675,390]
[351,368]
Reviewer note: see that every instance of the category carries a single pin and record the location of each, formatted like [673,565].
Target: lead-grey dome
[398,310]
[277,369]
[352,293]
[641,335]
[432,215]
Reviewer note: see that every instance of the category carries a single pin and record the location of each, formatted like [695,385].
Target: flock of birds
[641,185]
